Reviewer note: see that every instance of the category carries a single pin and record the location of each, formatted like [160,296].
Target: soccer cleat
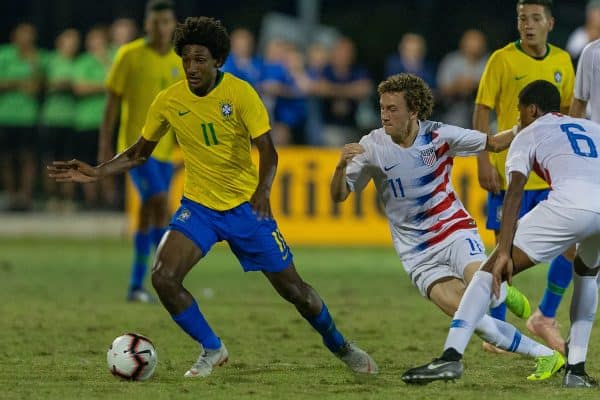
[207,361]
[547,329]
[437,370]
[572,380]
[357,360]
[517,303]
[140,295]
[546,366]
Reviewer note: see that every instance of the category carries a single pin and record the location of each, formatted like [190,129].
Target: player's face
[534,24]
[160,25]
[528,114]
[395,116]
[200,68]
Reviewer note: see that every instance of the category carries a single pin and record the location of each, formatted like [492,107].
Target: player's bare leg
[309,304]
[546,327]
[175,258]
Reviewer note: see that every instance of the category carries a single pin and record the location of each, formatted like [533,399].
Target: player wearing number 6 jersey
[410,161]
[564,151]
[215,117]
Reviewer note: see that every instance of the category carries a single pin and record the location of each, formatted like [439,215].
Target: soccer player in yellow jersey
[507,72]
[215,117]
[140,71]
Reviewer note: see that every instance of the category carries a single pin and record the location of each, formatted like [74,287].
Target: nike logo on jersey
[388,168]
[519,77]
[183,112]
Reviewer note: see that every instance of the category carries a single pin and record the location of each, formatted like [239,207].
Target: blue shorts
[494,205]
[257,244]
[152,177]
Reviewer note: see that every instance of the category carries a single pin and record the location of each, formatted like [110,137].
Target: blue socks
[156,234]
[323,323]
[560,274]
[141,245]
[193,323]
[499,312]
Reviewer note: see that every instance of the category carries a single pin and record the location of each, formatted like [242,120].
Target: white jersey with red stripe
[414,183]
[564,151]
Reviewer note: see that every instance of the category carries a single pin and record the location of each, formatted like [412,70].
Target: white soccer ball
[132,357]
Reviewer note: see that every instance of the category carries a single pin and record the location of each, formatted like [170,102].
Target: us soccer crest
[557,76]
[226,108]
[428,156]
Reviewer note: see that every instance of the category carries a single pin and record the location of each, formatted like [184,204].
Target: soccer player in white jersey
[587,83]
[410,161]
[564,151]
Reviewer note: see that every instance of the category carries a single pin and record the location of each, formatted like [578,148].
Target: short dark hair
[547,4]
[204,31]
[159,5]
[417,94]
[542,94]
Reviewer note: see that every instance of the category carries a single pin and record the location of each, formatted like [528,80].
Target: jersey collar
[520,48]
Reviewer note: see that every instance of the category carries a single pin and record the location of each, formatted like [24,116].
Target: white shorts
[448,259]
[548,231]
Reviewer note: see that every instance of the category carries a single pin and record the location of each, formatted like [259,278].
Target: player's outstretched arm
[500,141]
[78,171]
[510,214]
[267,167]
[338,187]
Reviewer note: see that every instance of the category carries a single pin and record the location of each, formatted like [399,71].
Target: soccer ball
[132,357]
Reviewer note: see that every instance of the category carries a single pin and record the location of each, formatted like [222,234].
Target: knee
[163,279]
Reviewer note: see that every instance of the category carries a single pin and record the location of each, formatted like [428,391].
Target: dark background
[376,26]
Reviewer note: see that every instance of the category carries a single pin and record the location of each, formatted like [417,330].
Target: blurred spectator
[122,31]
[90,72]
[410,58]
[586,33]
[458,77]
[317,58]
[58,111]
[344,86]
[20,78]
[241,61]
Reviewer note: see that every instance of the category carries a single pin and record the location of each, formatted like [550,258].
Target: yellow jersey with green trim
[506,73]
[138,74]
[214,133]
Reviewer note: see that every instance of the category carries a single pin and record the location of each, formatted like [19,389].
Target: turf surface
[62,303]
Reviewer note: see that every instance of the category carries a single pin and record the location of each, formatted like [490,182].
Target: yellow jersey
[138,74]
[509,70]
[214,133]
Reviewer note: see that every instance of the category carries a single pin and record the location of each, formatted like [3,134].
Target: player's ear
[550,23]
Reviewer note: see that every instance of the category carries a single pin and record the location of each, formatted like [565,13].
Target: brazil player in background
[141,69]
[216,117]
[509,70]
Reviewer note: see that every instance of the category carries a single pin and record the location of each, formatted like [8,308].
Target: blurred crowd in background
[318,94]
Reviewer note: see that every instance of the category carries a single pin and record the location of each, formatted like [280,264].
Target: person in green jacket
[58,109]
[20,73]
[91,68]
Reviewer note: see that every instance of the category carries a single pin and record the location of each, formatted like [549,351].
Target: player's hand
[261,204]
[73,171]
[349,151]
[501,268]
[488,176]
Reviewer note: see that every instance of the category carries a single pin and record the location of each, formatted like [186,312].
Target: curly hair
[417,94]
[204,31]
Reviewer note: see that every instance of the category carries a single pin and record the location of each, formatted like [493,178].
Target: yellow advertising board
[306,214]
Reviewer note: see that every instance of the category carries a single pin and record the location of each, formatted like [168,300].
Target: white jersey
[587,79]
[563,151]
[414,182]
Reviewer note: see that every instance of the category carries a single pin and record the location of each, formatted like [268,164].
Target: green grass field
[63,303]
